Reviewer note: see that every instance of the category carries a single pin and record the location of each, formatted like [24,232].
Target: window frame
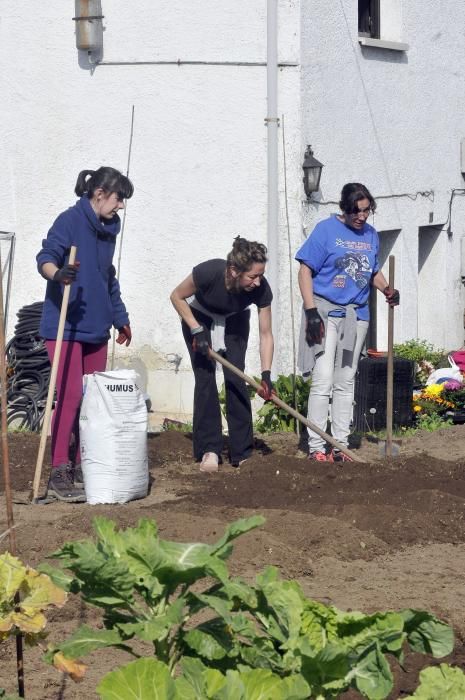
[369,12]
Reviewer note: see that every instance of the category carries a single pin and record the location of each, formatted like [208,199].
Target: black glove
[199,341]
[315,328]
[67,273]
[125,335]
[392,295]
[267,386]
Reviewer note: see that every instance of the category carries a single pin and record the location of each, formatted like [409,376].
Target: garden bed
[383,534]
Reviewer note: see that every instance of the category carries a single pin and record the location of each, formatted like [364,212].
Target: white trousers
[334,375]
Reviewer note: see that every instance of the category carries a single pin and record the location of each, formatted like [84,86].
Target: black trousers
[207,430]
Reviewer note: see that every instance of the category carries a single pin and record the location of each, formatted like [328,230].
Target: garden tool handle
[52,383]
[390,363]
[279,402]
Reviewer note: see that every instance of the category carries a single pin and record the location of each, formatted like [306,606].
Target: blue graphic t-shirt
[343,262]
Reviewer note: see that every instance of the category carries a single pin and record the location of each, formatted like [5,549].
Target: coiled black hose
[28,371]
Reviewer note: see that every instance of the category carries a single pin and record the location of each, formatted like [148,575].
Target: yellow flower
[417,409]
[433,390]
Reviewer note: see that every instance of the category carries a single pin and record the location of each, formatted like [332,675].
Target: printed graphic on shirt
[353,245]
[356,266]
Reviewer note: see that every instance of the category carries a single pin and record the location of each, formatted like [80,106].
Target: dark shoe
[339,456]
[239,463]
[78,477]
[61,487]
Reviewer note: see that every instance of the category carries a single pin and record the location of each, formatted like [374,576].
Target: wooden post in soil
[6,477]
[52,383]
[279,402]
[390,364]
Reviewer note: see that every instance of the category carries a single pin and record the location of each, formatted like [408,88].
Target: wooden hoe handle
[219,358]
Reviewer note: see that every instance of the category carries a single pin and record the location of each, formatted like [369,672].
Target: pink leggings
[76,360]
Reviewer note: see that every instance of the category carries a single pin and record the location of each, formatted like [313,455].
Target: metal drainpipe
[272,157]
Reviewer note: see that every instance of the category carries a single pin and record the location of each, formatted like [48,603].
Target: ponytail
[105,178]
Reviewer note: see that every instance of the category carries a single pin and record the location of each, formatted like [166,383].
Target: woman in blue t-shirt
[338,265]
[218,315]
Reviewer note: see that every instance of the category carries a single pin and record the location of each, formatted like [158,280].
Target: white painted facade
[391,119]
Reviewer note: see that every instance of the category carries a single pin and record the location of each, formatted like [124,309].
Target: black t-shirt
[209,280]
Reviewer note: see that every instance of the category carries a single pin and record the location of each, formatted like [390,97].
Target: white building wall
[198,159]
[394,121]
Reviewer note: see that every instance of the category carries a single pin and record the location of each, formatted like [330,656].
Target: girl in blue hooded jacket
[95,306]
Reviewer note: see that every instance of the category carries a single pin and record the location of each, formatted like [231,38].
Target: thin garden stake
[292,412]
[52,384]
[120,249]
[291,282]
[6,477]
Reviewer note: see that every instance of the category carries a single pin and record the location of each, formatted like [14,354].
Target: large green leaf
[137,546]
[262,654]
[103,578]
[144,679]
[198,681]
[295,687]
[58,576]
[328,668]
[260,684]
[212,640]
[237,590]
[427,634]
[234,530]
[358,631]
[440,682]
[373,675]
[319,624]
[284,606]
[85,640]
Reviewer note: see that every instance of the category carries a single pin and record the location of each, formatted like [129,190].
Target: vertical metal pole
[390,364]
[6,477]
[272,122]
[10,275]
[120,250]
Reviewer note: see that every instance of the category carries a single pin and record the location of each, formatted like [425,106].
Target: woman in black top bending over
[218,316]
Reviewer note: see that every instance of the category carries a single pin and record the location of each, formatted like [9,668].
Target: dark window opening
[368,18]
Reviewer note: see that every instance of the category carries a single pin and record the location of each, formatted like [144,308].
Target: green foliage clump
[443,681]
[215,637]
[293,389]
[426,357]
[428,422]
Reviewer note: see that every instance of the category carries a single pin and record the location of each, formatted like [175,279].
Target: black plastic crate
[370,394]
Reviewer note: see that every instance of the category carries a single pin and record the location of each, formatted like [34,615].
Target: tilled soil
[381,534]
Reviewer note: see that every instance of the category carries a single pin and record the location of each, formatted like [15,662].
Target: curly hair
[245,253]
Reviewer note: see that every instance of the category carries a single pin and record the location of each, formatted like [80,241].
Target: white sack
[444,374]
[113,434]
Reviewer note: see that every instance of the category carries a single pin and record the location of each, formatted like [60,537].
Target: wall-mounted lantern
[89,28]
[312,172]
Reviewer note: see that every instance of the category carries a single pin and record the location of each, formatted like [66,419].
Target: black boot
[78,477]
[60,485]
